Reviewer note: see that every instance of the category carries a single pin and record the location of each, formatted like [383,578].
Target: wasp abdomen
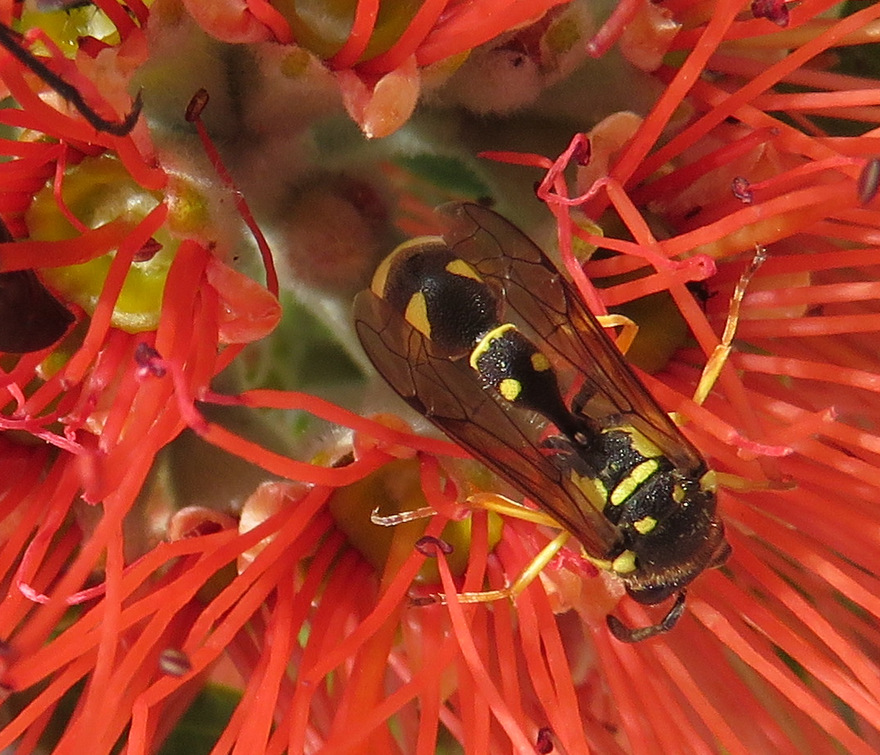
[441,296]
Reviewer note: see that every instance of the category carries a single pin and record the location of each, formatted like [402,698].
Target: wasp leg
[485,501]
[735,482]
[505,507]
[501,505]
[722,351]
[526,577]
[625,634]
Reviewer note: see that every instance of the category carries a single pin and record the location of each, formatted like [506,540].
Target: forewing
[535,289]
[450,395]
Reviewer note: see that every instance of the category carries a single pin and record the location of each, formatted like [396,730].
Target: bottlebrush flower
[179,511]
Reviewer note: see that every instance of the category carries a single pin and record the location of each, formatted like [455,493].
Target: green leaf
[203,723]
[446,172]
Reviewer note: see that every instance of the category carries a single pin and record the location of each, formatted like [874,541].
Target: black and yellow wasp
[599,455]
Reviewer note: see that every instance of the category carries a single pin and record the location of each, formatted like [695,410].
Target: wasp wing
[536,290]
[449,393]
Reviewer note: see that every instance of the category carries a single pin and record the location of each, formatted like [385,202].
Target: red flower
[148,545]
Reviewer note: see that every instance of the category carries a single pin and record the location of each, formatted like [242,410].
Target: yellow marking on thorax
[540,363]
[510,388]
[629,484]
[417,314]
[642,445]
[709,481]
[624,563]
[463,269]
[486,342]
[644,525]
[590,486]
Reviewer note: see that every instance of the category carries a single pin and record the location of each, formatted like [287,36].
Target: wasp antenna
[623,633]
[11,41]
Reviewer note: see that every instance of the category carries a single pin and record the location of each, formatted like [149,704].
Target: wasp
[479,331]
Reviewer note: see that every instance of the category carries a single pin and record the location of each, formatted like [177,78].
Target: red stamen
[100,322]
[365,14]
[423,22]
[393,596]
[480,676]
[764,661]
[442,501]
[197,104]
[548,669]
[60,168]
[622,15]
[24,255]
[631,162]
[722,109]
[293,401]
[467,25]
[118,16]
[272,19]
[518,158]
